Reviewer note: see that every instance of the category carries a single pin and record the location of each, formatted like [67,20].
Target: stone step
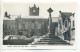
[53,43]
[46,39]
[51,39]
[59,43]
[59,40]
[43,42]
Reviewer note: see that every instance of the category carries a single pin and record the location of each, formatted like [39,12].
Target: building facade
[31,26]
[8,27]
[65,25]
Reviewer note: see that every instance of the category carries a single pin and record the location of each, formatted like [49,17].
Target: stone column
[50,19]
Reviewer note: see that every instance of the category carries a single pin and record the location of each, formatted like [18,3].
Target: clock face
[34,11]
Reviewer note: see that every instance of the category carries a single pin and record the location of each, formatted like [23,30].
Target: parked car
[16,40]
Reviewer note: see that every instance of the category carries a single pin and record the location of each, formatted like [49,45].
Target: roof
[38,17]
[32,18]
[11,18]
[65,14]
[27,17]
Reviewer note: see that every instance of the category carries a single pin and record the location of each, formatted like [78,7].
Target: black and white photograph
[40,24]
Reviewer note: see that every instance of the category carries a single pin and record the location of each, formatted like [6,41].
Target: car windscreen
[14,37]
[6,38]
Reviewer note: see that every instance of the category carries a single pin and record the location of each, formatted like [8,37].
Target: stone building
[65,25]
[72,26]
[8,27]
[32,25]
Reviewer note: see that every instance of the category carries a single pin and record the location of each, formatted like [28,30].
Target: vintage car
[16,40]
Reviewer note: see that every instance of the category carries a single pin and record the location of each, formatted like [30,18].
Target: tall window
[5,26]
[26,25]
[60,24]
[39,26]
[9,27]
[32,25]
[73,23]
[19,26]
[65,23]
[23,26]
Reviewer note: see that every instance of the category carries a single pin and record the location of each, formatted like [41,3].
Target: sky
[22,8]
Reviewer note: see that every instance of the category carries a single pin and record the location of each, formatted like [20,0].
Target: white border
[77,24]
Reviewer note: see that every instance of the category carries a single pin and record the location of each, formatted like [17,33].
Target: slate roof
[65,15]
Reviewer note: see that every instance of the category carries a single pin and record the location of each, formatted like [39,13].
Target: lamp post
[50,19]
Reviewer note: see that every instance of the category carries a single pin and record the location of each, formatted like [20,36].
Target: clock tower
[34,11]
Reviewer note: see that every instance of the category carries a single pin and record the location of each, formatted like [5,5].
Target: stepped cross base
[48,35]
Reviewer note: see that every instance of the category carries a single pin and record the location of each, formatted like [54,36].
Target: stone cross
[50,11]
[50,19]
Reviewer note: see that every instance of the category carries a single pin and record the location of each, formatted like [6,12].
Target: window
[5,26]
[15,37]
[73,23]
[9,27]
[23,26]
[32,25]
[65,23]
[11,38]
[20,33]
[66,20]
[5,33]
[39,26]
[19,26]
[8,33]
[6,38]
[26,26]
[12,27]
